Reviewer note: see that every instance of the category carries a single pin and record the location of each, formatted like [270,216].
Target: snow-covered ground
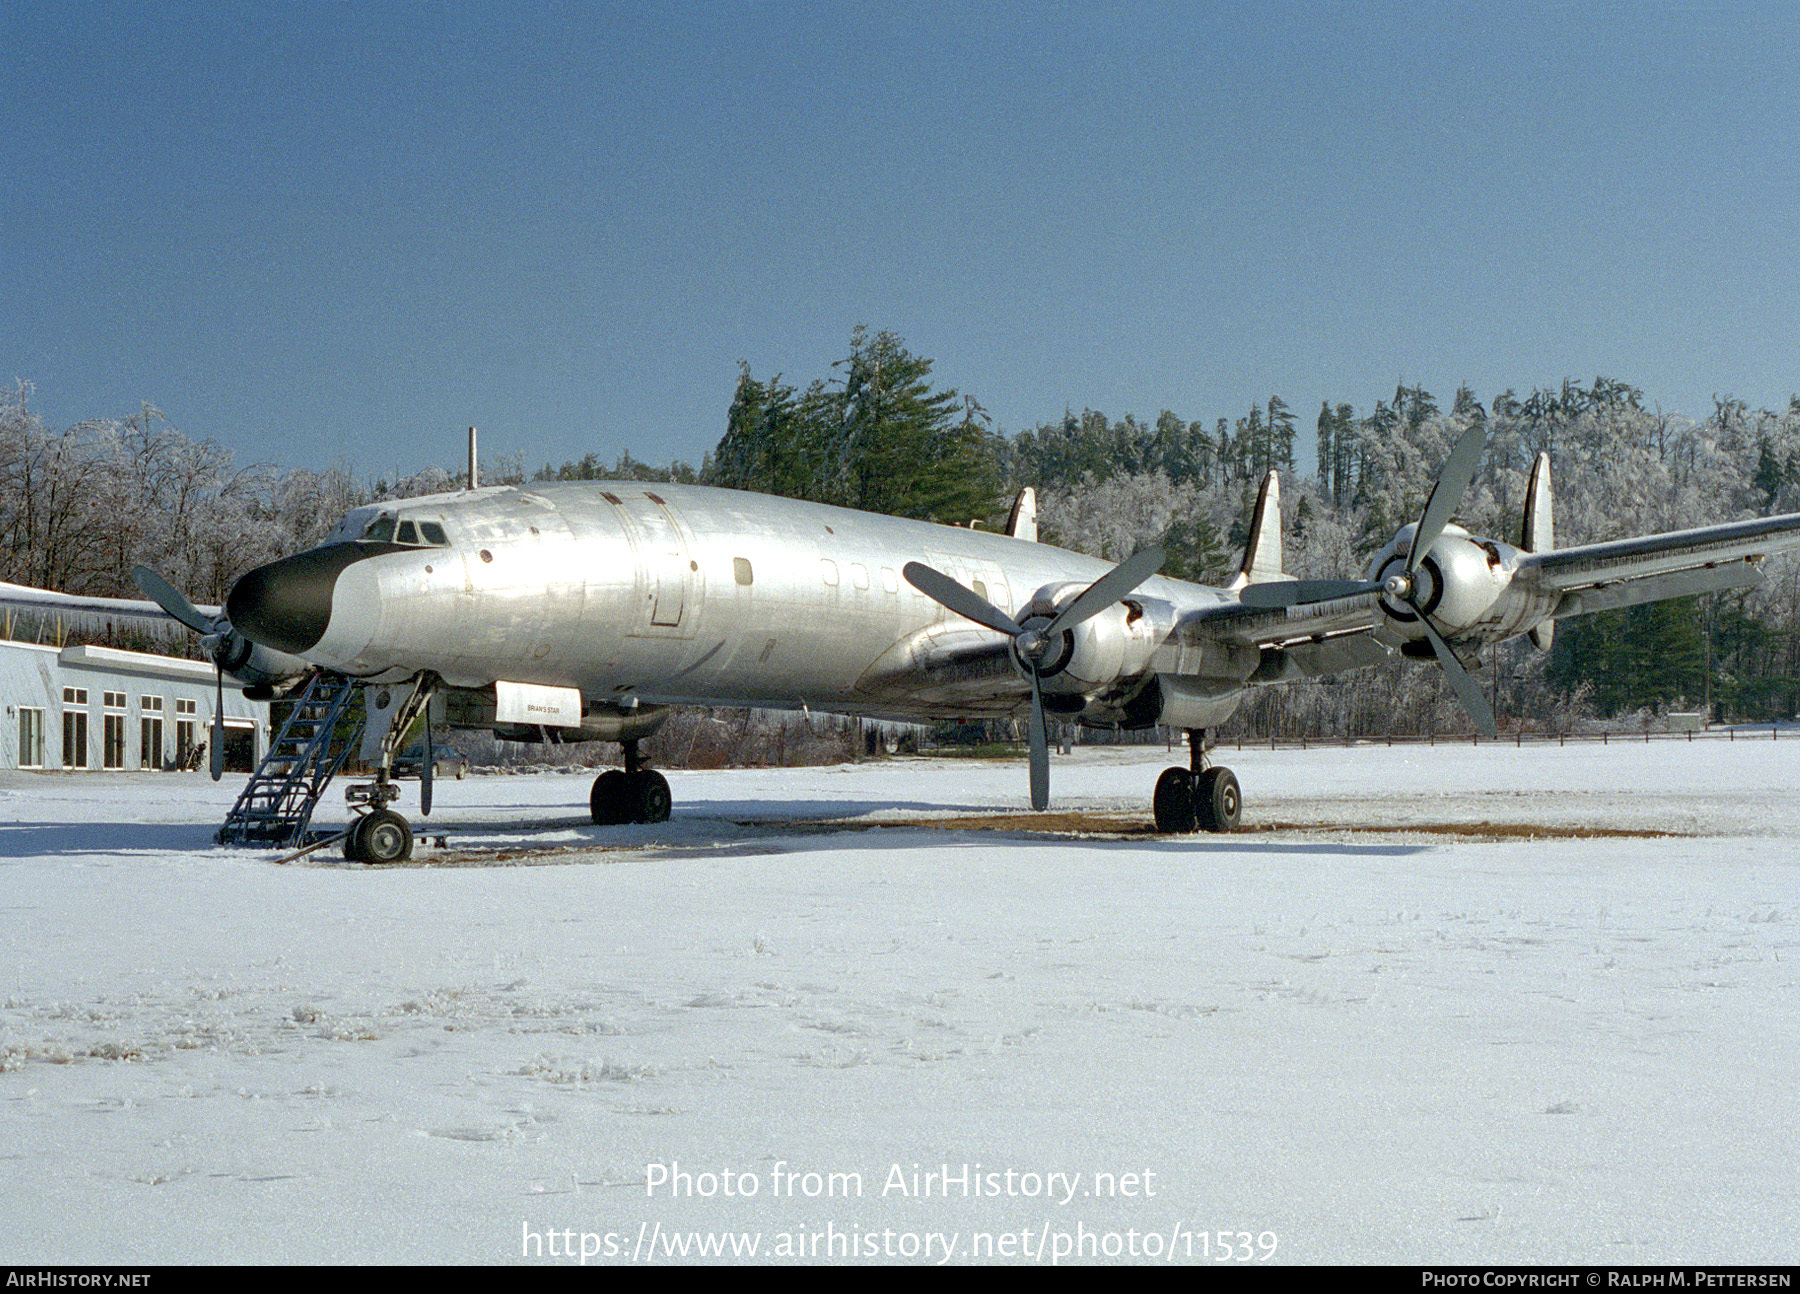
[1324,1044]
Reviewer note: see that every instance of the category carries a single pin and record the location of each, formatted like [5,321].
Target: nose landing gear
[380,835]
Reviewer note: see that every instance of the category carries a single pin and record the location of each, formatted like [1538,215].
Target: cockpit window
[417,534]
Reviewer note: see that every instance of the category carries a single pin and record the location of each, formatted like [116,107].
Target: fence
[1771,732]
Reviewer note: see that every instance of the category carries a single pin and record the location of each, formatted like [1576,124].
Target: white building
[82,707]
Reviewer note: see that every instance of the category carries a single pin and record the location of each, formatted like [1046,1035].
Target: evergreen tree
[1196,552]
[1279,454]
[881,439]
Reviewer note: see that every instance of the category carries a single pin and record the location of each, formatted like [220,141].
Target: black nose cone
[287,604]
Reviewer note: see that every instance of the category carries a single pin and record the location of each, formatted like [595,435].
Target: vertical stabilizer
[1538,533]
[1021,523]
[1262,551]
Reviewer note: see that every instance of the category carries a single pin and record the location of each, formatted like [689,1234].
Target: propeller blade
[1040,750]
[1276,594]
[172,600]
[1108,589]
[1099,595]
[1452,484]
[217,755]
[1468,691]
[940,588]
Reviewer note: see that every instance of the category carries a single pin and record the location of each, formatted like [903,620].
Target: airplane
[585,611]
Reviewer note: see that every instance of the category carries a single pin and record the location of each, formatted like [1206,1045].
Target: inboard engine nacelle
[1115,643]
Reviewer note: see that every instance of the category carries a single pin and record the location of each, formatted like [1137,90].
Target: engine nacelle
[1094,656]
[1464,584]
[251,664]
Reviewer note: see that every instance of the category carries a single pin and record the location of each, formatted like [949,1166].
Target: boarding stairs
[320,732]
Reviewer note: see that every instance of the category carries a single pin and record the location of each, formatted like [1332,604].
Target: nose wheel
[379,837]
[1201,797]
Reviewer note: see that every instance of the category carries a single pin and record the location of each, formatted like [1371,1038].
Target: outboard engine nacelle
[261,670]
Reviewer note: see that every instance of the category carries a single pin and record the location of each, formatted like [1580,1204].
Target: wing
[24,598]
[1625,572]
[1227,639]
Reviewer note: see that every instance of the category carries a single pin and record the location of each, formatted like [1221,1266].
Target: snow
[1339,1045]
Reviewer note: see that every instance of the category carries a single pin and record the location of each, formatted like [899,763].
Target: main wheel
[1173,802]
[649,796]
[1217,801]
[384,837]
[608,801]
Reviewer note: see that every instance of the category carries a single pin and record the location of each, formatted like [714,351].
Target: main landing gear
[631,794]
[1201,796]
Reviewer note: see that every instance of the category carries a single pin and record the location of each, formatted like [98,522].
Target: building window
[150,741]
[31,738]
[150,732]
[112,731]
[75,752]
[186,723]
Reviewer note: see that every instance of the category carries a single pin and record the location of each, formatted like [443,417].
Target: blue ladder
[319,734]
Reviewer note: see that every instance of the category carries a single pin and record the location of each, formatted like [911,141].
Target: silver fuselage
[658,593]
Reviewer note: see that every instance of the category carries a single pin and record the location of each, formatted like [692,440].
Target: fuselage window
[740,568]
[407,534]
[434,534]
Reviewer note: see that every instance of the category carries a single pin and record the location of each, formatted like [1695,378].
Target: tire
[650,796]
[1217,800]
[607,802]
[384,837]
[1173,802]
[353,841]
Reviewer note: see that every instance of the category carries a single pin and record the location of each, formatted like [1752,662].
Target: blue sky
[323,232]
